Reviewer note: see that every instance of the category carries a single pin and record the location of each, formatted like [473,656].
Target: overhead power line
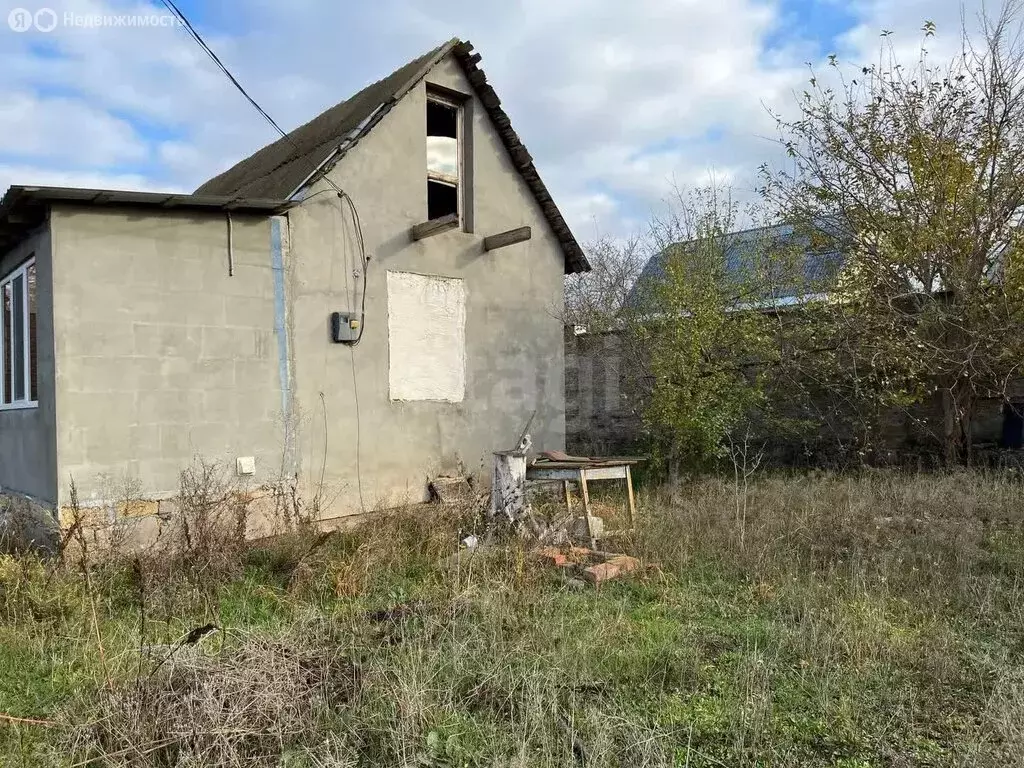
[180,16]
[194,34]
[344,196]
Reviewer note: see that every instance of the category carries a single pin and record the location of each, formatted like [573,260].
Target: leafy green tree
[918,172]
[709,326]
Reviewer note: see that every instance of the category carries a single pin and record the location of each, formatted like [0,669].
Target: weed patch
[837,629]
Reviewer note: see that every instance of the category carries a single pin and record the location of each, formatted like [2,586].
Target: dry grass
[812,620]
[228,709]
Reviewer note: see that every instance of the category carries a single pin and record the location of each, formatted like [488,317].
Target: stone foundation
[135,525]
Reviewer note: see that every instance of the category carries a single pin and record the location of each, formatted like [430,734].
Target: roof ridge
[794,224]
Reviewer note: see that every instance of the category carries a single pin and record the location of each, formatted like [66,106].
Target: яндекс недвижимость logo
[47,20]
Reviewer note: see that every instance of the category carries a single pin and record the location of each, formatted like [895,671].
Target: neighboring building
[813,267]
[605,377]
[143,330]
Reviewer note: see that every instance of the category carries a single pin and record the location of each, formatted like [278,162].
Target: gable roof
[282,168]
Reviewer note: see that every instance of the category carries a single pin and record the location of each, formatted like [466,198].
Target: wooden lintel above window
[434,226]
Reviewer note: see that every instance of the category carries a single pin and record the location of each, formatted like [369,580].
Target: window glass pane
[5,321]
[33,330]
[18,337]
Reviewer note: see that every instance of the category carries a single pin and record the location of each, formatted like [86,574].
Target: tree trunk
[958,412]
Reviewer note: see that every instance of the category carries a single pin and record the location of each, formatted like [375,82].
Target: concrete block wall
[603,414]
[383,451]
[602,410]
[161,355]
[604,404]
[28,448]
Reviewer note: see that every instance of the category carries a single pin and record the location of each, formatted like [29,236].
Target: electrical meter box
[346,327]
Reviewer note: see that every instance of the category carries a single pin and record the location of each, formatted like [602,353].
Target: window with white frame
[444,158]
[19,381]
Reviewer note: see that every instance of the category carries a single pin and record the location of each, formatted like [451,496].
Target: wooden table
[585,472]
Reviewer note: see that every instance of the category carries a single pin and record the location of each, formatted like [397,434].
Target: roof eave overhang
[575,259]
[25,208]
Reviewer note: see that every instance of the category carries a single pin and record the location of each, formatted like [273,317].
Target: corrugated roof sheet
[278,169]
[817,264]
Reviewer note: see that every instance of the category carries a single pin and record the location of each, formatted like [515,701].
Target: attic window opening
[444,158]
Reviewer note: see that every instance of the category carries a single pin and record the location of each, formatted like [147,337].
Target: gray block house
[262,324]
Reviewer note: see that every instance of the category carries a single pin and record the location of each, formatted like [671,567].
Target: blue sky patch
[821,23]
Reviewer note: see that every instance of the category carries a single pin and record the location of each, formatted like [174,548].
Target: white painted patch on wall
[426,337]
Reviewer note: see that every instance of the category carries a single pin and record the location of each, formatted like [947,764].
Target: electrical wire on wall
[352,350]
[364,260]
[352,347]
[342,194]
[364,264]
[343,197]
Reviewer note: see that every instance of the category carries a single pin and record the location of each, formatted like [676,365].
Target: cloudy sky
[617,101]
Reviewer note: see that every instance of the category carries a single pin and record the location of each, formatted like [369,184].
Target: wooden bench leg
[586,507]
[632,500]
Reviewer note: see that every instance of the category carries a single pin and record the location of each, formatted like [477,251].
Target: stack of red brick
[594,567]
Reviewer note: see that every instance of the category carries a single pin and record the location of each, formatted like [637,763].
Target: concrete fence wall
[602,403]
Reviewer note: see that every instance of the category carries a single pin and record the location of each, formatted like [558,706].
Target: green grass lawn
[822,621]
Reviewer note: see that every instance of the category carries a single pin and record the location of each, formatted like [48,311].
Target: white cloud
[66,130]
[589,213]
[617,101]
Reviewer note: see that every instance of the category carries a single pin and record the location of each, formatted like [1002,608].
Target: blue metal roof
[817,263]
